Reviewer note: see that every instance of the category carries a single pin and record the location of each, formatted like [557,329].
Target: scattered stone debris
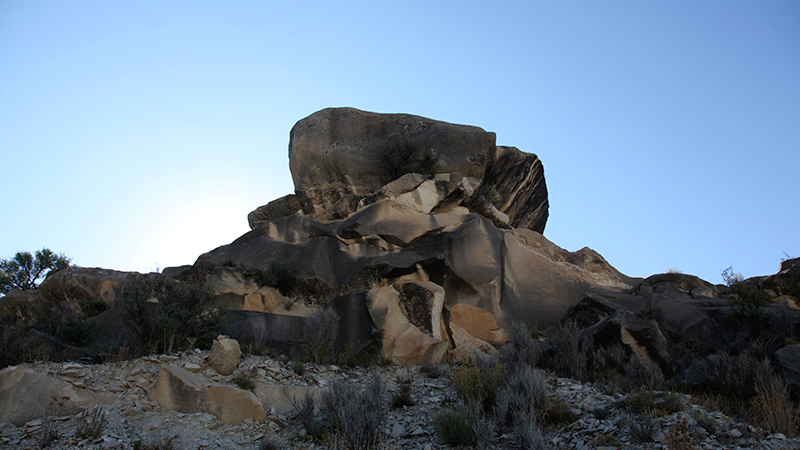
[135,416]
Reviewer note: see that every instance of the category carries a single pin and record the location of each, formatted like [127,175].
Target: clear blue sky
[140,134]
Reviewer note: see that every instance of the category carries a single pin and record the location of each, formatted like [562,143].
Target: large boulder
[183,391]
[403,341]
[225,355]
[641,336]
[275,209]
[78,283]
[479,323]
[26,395]
[337,151]
[518,179]
[787,361]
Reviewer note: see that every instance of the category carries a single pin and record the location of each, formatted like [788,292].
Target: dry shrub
[641,426]
[455,426]
[680,436]
[91,425]
[521,349]
[357,416]
[570,353]
[478,383]
[320,330]
[772,405]
[528,433]
[524,394]
[732,377]
[645,374]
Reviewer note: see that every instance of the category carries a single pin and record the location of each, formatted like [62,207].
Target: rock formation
[409,247]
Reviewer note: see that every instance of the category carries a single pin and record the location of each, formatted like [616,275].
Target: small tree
[730,277]
[159,310]
[25,271]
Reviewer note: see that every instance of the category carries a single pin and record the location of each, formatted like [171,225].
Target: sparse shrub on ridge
[730,277]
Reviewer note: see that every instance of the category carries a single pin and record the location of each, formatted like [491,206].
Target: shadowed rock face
[340,146]
[518,178]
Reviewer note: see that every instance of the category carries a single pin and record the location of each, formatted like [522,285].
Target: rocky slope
[123,391]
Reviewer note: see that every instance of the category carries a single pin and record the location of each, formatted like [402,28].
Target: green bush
[478,383]
[428,162]
[163,311]
[657,403]
[488,193]
[242,381]
[275,274]
[746,308]
[558,412]
[396,156]
[455,426]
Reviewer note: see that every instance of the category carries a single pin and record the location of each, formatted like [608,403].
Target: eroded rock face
[510,273]
[787,361]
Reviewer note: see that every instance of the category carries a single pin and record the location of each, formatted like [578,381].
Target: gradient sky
[137,135]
